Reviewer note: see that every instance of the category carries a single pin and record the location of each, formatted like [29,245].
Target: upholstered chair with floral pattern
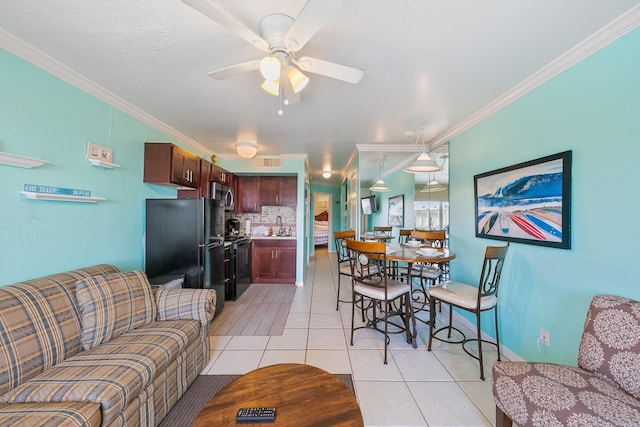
[604,390]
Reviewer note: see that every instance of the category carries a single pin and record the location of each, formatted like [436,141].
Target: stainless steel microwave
[223,192]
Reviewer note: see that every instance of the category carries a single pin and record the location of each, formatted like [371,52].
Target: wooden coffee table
[303,395]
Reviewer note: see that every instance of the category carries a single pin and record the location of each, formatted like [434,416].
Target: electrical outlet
[544,337]
[98,152]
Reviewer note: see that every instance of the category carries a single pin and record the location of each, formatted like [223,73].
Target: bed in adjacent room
[321,229]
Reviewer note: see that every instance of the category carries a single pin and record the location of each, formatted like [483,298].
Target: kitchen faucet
[279,224]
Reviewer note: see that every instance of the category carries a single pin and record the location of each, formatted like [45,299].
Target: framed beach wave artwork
[526,203]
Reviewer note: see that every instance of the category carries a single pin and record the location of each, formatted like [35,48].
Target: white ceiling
[436,65]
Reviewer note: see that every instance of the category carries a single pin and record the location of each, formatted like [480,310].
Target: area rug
[184,413]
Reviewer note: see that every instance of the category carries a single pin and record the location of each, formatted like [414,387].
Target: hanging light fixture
[246,149]
[380,185]
[326,174]
[423,163]
[433,186]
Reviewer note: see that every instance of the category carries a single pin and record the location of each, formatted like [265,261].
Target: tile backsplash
[268,218]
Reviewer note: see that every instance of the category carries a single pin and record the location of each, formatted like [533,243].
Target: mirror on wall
[431,202]
[426,196]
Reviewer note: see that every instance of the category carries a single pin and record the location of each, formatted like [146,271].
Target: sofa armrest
[81,414]
[186,304]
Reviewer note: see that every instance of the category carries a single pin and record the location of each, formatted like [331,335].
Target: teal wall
[46,118]
[594,110]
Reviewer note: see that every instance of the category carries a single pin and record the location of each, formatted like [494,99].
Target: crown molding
[396,148]
[41,60]
[597,41]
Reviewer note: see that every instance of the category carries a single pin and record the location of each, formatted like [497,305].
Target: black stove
[238,265]
[235,238]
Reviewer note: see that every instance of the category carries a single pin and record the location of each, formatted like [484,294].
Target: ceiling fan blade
[330,69]
[312,17]
[229,22]
[234,70]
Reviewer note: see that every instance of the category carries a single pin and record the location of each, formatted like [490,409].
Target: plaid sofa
[97,347]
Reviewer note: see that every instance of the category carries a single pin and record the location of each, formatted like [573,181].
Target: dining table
[417,254]
[377,237]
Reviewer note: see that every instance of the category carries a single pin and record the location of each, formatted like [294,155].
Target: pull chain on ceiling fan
[281,37]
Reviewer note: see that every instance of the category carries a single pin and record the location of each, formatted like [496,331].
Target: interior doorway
[322,220]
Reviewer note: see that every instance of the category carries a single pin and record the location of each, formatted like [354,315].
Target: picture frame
[529,202]
[396,211]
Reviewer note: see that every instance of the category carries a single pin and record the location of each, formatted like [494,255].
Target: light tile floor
[415,388]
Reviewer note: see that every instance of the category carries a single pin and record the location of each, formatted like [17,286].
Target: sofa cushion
[186,304]
[546,394]
[112,305]
[610,345]
[40,324]
[68,414]
[113,373]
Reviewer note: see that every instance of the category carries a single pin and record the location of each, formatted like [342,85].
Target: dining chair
[403,236]
[370,282]
[382,229]
[426,272]
[470,298]
[344,268]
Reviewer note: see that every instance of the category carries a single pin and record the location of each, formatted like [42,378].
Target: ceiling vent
[267,162]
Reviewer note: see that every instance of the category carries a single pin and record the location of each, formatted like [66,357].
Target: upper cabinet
[247,194]
[204,188]
[253,192]
[278,190]
[168,164]
[221,176]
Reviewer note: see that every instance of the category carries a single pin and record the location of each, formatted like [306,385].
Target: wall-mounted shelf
[61,197]
[20,161]
[103,164]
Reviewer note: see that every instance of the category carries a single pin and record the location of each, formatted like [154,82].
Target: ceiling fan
[281,37]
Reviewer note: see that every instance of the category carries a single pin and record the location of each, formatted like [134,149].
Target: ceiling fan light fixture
[246,149]
[423,164]
[298,80]
[270,67]
[272,87]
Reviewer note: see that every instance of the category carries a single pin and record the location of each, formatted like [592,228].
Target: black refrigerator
[185,237]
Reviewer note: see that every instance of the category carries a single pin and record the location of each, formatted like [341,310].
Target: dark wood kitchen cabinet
[278,190]
[221,176]
[273,261]
[168,164]
[204,187]
[247,194]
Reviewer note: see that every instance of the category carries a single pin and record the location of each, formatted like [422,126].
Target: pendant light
[433,186]
[379,185]
[424,163]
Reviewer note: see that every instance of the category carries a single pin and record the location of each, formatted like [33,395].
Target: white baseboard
[510,355]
